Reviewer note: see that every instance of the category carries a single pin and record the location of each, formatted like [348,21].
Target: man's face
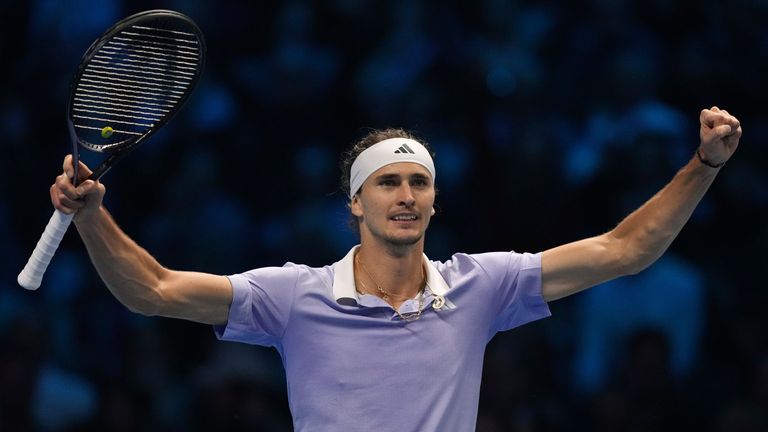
[395,204]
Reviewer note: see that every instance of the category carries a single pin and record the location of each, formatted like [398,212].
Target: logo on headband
[405,149]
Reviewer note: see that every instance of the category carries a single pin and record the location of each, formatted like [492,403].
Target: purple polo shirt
[353,365]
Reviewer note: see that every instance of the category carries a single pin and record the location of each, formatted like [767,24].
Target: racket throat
[107,164]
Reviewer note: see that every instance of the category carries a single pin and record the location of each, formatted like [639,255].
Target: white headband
[387,152]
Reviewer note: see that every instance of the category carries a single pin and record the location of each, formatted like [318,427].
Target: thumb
[88,187]
[83,172]
[67,166]
[85,187]
[722,131]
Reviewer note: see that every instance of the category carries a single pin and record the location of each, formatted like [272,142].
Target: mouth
[404,217]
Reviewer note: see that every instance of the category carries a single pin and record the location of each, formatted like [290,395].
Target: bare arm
[133,276]
[643,236]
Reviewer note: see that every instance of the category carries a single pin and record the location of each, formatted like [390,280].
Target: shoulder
[290,274]
[488,263]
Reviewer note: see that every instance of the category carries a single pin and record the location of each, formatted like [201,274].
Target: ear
[356,206]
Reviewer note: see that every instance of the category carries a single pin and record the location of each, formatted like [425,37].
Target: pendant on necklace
[438,303]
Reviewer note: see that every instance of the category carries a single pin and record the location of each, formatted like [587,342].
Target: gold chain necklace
[385,295]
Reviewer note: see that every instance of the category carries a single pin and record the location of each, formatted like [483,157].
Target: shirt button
[439,302]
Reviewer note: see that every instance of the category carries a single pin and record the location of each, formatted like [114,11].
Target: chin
[393,237]
[405,240]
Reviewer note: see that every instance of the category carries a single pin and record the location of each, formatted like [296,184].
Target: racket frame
[117,151]
[31,276]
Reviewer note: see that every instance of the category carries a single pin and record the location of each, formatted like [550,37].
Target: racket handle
[32,274]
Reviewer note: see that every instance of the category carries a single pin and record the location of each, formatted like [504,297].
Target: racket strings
[175,49]
[143,75]
[134,81]
[107,96]
[100,64]
[103,77]
[113,48]
[102,103]
[143,60]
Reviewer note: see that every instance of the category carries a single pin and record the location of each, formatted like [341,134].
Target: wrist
[88,216]
[706,161]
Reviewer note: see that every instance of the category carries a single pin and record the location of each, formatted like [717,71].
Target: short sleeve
[515,280]
[521,297]
[261,305]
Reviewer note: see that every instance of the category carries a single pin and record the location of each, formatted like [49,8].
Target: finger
[85,188]
[737,133]
[56,200]
[733,121]
[67,166]
[63,181]
[70,203]
[83,168]
[722,130]
[727,119]
[708,117]
[704,115]
[64,185]
[712,119]
[83,172]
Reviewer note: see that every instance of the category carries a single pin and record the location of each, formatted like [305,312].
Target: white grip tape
[32,274]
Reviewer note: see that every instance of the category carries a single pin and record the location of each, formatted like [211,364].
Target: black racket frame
[117,152]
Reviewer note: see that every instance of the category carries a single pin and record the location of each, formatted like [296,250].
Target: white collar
[344,280]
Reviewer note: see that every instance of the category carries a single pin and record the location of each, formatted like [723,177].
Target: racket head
[134,79]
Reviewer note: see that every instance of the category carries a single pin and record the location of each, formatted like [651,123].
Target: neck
[401,273]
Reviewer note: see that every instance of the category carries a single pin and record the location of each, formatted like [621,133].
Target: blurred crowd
[551,121]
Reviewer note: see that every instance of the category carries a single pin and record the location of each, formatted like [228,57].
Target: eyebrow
[395,176]
[388,177]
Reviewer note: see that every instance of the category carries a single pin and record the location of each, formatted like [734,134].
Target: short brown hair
[371,138]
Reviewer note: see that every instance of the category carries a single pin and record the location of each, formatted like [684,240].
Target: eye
[422,182]
[387,182]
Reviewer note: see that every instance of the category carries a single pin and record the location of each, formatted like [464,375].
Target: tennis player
[386,339]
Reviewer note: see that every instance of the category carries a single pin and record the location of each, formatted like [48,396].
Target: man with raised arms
[386,339]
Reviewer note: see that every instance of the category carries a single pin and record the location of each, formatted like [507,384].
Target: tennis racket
[130,82]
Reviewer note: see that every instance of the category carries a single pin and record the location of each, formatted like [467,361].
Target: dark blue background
[551,121]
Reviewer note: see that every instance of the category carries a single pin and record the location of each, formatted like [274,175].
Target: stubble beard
[397,245]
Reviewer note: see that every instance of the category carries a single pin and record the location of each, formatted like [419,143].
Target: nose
[406,195]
